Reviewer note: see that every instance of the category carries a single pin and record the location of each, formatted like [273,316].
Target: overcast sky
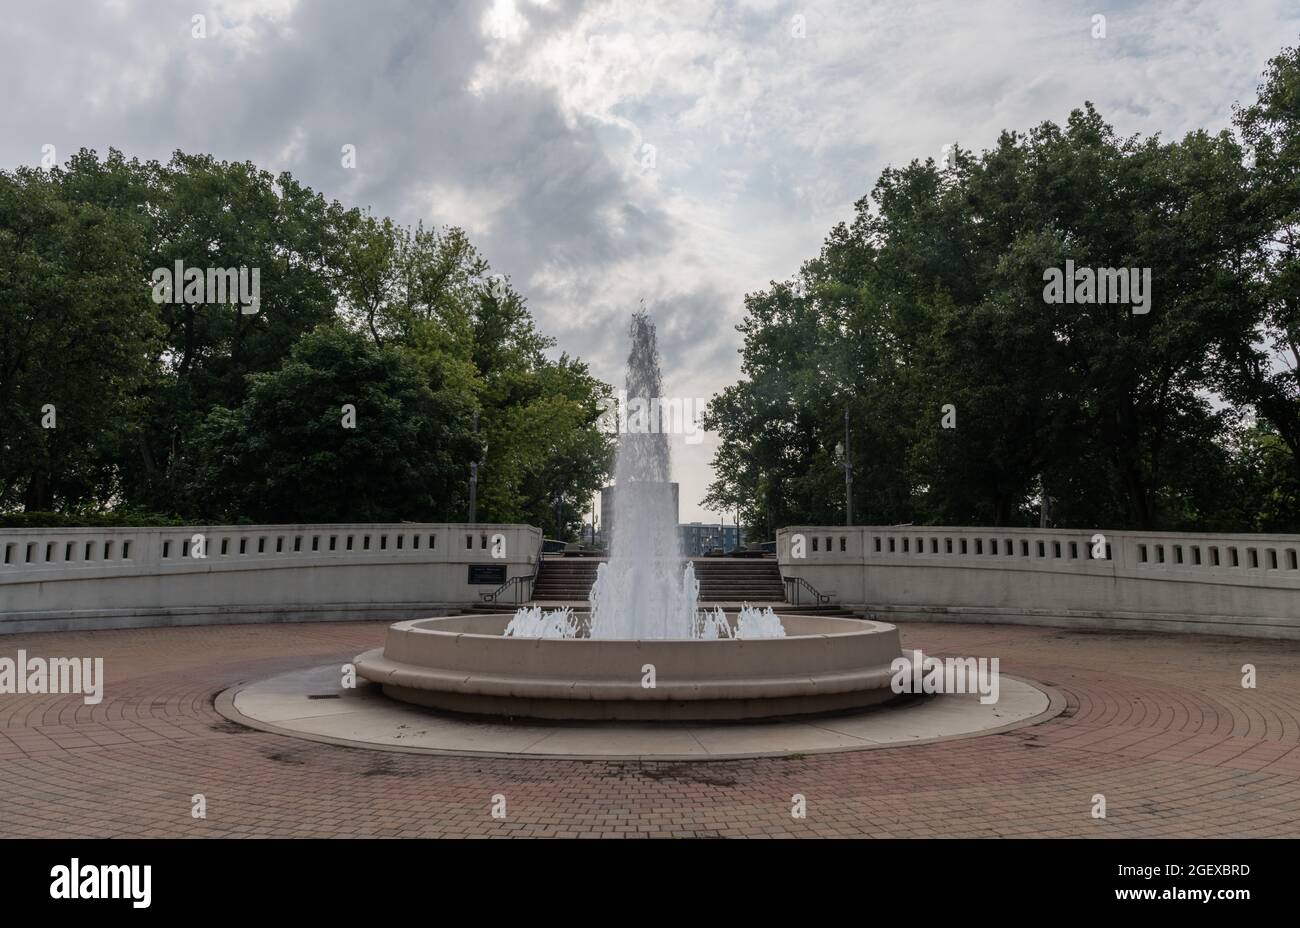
[527,123]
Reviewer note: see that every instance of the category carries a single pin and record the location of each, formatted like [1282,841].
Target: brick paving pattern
[1158,724]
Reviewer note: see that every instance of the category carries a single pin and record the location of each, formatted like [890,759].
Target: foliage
[117,518]
[201,409]
[285,455]
[931,302]
[76,332]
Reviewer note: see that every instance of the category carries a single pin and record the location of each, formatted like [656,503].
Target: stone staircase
[722,580]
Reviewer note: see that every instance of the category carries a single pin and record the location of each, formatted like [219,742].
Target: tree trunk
[37,497]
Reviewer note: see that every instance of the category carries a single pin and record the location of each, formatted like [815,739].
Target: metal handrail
[517,583]
[799,583]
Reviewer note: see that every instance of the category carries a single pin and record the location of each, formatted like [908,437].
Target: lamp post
[473,477]
[848,472]
[473,492]
[842,450]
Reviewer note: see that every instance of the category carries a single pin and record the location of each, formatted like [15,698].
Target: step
[570,580]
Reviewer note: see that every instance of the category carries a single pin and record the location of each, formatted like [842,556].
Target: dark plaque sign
[481,574]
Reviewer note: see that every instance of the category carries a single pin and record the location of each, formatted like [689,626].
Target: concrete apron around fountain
[311,704]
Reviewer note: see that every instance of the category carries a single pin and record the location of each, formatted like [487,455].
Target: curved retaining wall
[1245,585]
[70,578]
[465,664]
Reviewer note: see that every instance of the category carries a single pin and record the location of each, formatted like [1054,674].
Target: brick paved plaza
[1158,724]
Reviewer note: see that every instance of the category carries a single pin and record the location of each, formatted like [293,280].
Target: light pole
[842,449]
[848,472]
[473,477]
[473,492]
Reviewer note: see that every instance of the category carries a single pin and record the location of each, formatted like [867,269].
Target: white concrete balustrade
[73,578]
[1147,581]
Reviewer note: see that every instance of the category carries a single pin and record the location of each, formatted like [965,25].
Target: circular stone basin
[465,664]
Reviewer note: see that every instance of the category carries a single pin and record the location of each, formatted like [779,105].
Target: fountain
[646,589]
[644,649]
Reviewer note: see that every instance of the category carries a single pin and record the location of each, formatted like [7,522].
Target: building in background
[699,538]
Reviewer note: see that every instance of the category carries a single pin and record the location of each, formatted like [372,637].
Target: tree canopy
[972,398]
[202,410]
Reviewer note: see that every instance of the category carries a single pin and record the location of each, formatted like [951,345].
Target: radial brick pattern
[1159,725]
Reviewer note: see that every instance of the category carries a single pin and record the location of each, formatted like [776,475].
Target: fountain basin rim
[851,627]
[441,663]
[375,667]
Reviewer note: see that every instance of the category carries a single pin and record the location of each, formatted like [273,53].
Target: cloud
[607,151]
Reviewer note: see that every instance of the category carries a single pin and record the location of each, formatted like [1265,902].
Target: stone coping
[465,664]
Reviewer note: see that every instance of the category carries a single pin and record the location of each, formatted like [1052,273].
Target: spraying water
[646,589]
[642,591]
[532,622]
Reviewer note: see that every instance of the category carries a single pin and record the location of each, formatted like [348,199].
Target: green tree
[1266,372]
[932,300]
[434,294]
[1270,492]
[207,213]
[153,399]
[288,452]
[76,333]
